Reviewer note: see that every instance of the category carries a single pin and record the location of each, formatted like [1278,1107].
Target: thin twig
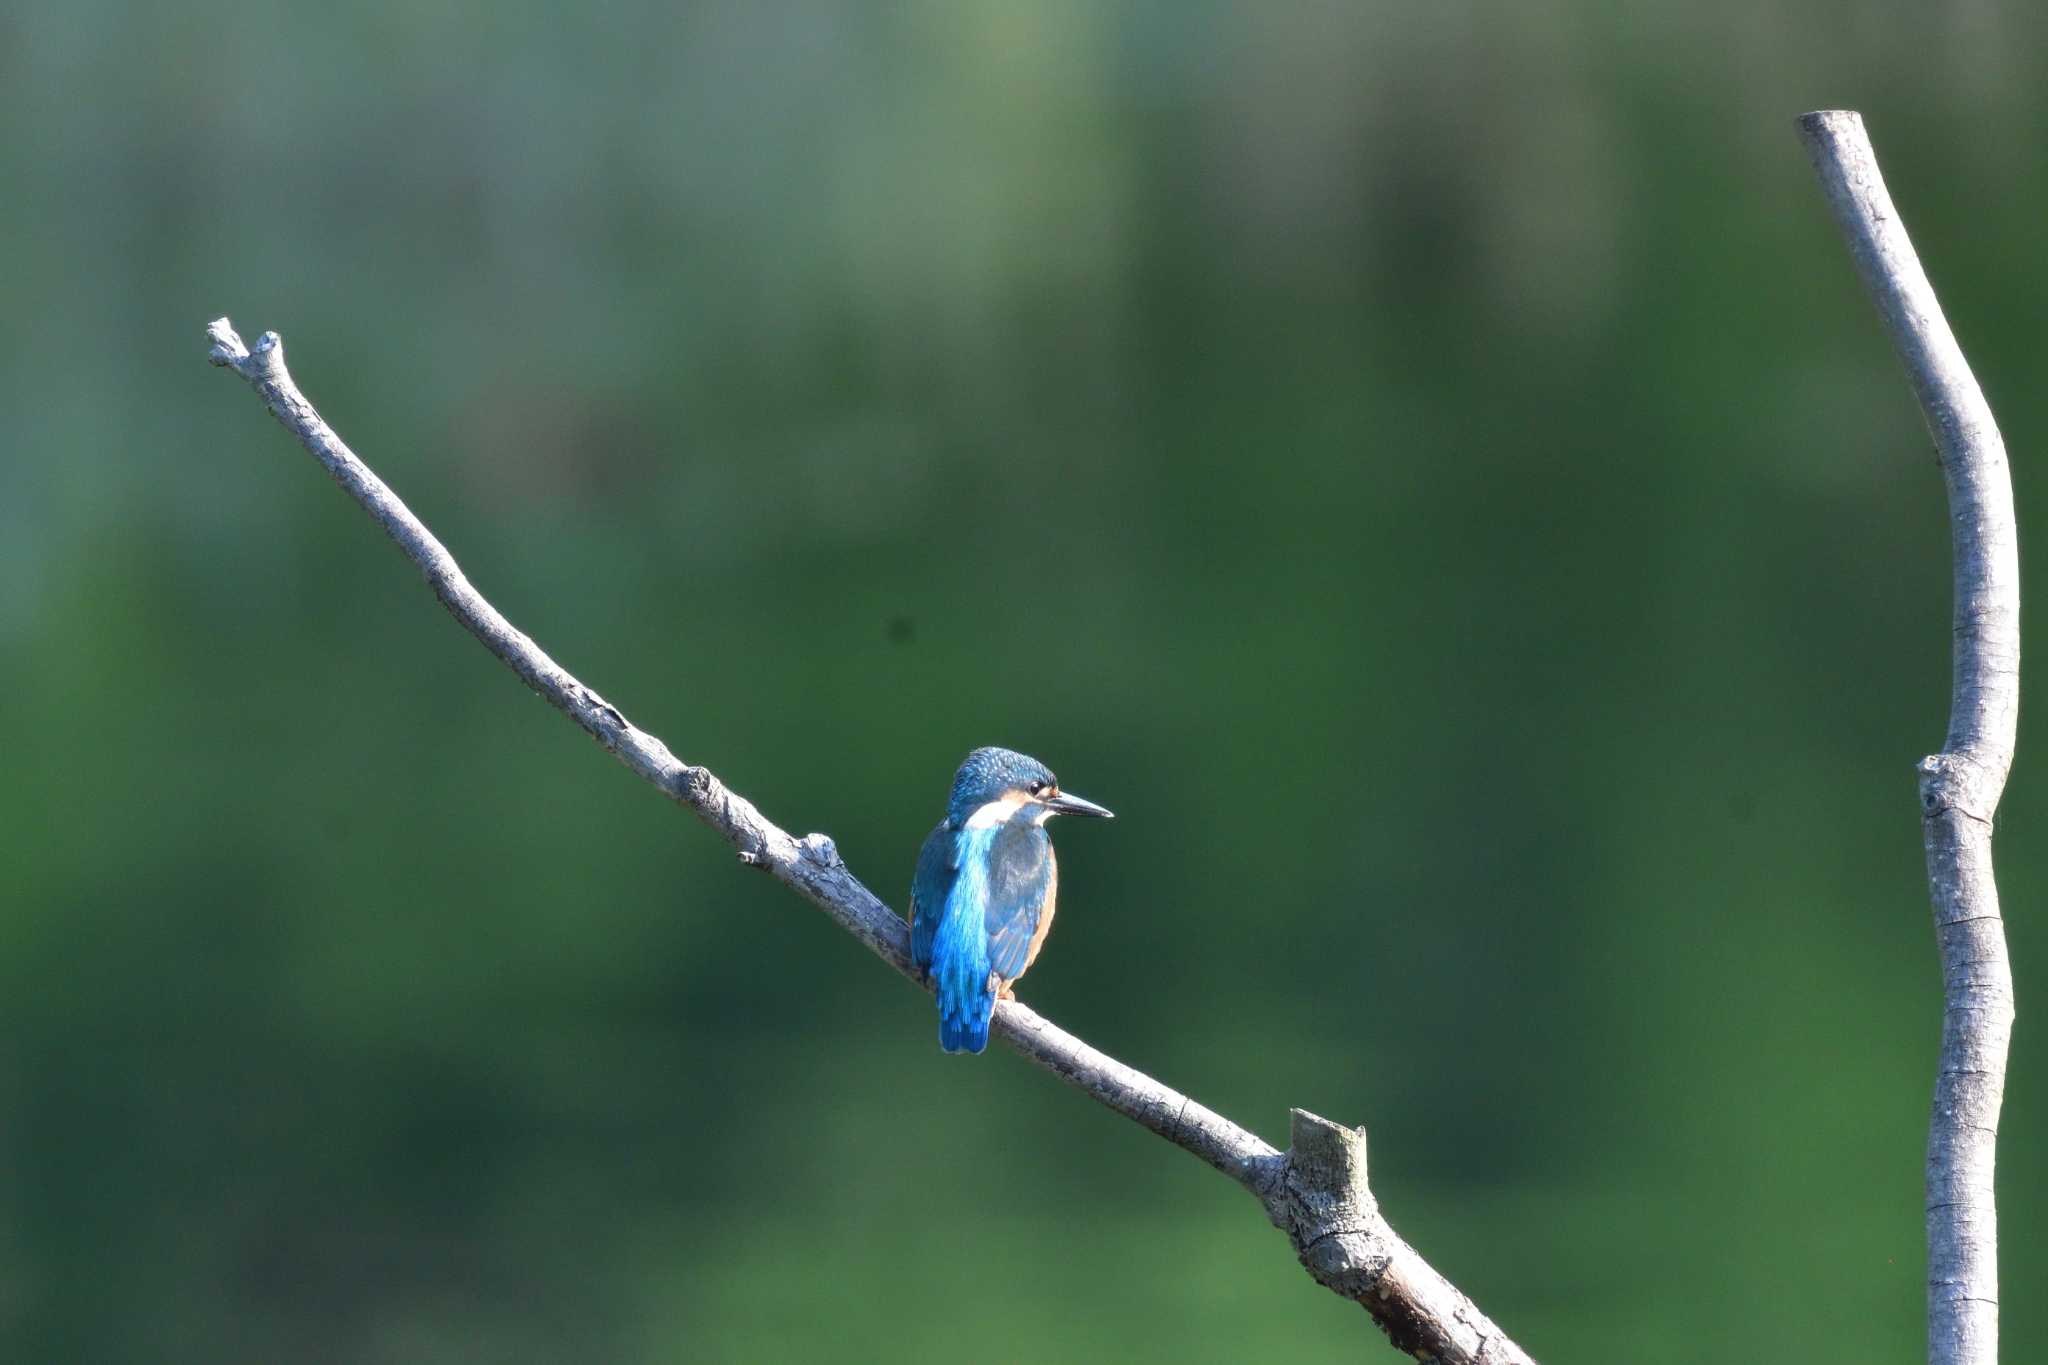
[1316,1191]
[1960,786]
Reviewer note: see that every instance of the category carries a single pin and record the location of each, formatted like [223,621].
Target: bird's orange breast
[1052,893]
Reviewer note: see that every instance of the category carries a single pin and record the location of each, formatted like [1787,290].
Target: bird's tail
[963,1024]
[960,968]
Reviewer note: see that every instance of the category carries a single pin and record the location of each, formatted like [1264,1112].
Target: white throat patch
[995,813]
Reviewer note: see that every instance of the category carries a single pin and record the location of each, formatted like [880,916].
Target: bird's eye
[1044,789]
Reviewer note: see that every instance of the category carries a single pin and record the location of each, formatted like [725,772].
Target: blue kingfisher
[982,898]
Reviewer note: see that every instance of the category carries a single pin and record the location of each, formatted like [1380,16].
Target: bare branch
[1316,1192]
[1960,786]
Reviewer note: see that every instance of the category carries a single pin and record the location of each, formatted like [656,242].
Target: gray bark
[1960,786]
[1315,1192]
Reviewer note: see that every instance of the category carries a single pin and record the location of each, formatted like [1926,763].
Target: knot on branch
[1326,1208]
[1956,782]
[689,783]
[598,708]
[820,849]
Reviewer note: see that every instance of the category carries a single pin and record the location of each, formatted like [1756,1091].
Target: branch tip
[227,349]
[1329,1157]
[265,358]
[1823,118]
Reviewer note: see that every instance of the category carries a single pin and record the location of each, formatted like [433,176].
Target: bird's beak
[1064,804]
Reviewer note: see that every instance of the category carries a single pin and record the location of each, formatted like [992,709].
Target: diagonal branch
[1316,1191]
[1960,786]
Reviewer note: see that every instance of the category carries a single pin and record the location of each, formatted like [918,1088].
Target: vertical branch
[1960,786]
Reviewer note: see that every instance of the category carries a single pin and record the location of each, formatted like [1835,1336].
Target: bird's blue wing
[929,888]
[1021,884]
[961,984]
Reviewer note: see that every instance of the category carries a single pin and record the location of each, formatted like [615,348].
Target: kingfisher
[981,900]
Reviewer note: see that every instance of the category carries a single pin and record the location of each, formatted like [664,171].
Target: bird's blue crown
[988,774]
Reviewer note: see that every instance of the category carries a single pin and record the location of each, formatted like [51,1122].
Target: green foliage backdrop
[1429,468]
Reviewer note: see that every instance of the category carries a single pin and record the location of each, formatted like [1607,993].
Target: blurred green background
[1431,469]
